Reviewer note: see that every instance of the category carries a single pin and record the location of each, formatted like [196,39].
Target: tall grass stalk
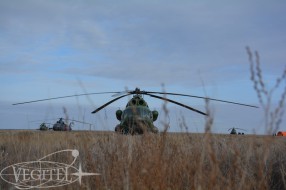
[272,115]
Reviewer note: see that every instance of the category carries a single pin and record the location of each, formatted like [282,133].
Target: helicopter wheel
[117,129]
[155,130]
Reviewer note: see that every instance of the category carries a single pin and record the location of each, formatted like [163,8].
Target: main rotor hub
[137,91]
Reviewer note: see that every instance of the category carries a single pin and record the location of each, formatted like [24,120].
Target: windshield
[142,112]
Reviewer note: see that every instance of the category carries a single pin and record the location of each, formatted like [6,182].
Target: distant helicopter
[44,127]
[137,118]
[60,125]
[234,132]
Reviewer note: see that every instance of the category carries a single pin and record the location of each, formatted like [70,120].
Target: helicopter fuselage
[136,118]
[61,126]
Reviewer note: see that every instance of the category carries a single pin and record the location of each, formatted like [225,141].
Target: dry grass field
[157,161]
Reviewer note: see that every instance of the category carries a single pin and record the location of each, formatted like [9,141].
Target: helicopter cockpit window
[141,102]
[141,112]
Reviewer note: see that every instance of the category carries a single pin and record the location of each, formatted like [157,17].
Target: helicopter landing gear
[122,130]
[155,130]
[134,130]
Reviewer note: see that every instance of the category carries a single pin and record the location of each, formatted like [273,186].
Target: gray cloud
[105,39]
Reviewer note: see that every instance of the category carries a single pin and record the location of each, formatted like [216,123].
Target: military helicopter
[44,127]
[60,125]
[234,132]
[137,118]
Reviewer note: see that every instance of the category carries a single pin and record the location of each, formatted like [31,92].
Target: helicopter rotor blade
[121,93]
[60,97]
[106,104]
[236,128]
[201,97]
[178,103]
[80,121]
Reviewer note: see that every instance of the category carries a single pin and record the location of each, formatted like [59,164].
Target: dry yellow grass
[165,161]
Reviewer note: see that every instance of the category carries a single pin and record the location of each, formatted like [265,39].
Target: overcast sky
[63,47]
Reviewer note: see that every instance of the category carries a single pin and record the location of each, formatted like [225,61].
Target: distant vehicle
[234,132]
[61,125]
[281,133]
[44,127]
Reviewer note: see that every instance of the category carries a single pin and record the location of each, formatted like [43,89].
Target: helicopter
[60,125]
[137,118]
[44,127]
[234,132]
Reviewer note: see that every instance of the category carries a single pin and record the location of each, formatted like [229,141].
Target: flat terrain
[154,161]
